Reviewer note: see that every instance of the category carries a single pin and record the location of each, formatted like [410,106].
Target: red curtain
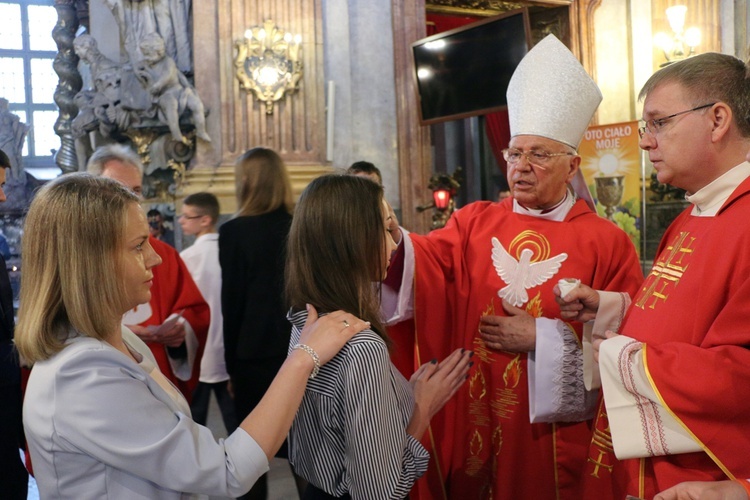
[497,127]
[439,23]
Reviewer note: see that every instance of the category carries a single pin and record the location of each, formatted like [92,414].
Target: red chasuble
[484,446]
[173,291]
[693,314]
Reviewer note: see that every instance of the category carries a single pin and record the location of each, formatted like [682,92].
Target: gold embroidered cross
[667,269]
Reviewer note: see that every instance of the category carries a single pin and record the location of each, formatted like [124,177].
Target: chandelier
[682,42]
[268,62]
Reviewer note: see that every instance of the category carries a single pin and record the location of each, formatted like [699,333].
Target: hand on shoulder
[327,335]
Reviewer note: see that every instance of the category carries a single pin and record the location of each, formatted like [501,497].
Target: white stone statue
[169,18]
[169,89]
[12,134]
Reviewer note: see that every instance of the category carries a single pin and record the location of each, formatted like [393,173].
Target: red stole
[693,314]
[484,445]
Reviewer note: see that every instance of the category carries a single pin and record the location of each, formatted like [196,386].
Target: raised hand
[434,384]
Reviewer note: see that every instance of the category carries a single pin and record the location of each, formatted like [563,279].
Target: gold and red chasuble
[482,442]
[693,315]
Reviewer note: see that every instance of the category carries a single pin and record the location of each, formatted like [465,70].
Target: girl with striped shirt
[356,434]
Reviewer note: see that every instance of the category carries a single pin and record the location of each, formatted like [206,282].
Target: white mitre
[551,95]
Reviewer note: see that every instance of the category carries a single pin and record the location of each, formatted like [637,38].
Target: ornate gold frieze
[485,7]
[472,7]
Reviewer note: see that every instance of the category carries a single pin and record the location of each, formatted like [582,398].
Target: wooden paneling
[414,158]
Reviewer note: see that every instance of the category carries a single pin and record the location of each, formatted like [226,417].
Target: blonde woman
[251,254]
[100,418]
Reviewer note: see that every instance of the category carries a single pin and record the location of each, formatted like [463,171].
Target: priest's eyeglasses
[654,126]
[534,157]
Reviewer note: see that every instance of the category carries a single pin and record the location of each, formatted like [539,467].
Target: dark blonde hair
[263,183]
[71,278]
[335,248]
[707,78]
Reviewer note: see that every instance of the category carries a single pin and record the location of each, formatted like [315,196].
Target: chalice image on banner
[609,189]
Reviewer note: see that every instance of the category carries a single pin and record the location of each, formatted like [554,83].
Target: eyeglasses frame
[642,130]
[528,160]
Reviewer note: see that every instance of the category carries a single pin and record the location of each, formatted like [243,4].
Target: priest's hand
[580,304]
[515,332]
[597,340]
[174,337]
[704,490]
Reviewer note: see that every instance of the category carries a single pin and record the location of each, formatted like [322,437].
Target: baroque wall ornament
[268,62]
[486,7]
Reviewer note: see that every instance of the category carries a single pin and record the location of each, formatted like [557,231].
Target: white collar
[557,214]
[208,237]
[710,198]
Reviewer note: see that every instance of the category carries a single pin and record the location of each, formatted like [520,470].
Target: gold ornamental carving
[474,7]
[268,62]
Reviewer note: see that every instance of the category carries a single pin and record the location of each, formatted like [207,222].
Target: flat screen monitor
[465,72]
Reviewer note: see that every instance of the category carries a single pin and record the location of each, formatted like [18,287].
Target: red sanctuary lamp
[443,188]
[442,197]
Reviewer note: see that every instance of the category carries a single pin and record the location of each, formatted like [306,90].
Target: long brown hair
[335,248]
[263,183]
[71,277]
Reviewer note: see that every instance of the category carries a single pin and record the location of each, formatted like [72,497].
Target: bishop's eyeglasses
[655,125]
[535,157]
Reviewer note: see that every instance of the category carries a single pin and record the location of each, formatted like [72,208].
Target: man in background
[366,169]
[369,170]
[174,323]
[157,229]
[14,484]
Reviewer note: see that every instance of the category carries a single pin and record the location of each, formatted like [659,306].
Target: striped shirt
[349,435]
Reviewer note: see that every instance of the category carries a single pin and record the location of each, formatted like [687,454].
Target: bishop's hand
[515,332]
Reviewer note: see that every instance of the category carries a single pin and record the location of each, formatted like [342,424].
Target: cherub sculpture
[169,89]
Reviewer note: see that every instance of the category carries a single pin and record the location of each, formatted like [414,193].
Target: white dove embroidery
[522,274]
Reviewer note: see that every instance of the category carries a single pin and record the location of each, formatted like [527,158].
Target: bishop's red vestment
[484,445]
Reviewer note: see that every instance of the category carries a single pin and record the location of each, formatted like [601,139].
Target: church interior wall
[351,43]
